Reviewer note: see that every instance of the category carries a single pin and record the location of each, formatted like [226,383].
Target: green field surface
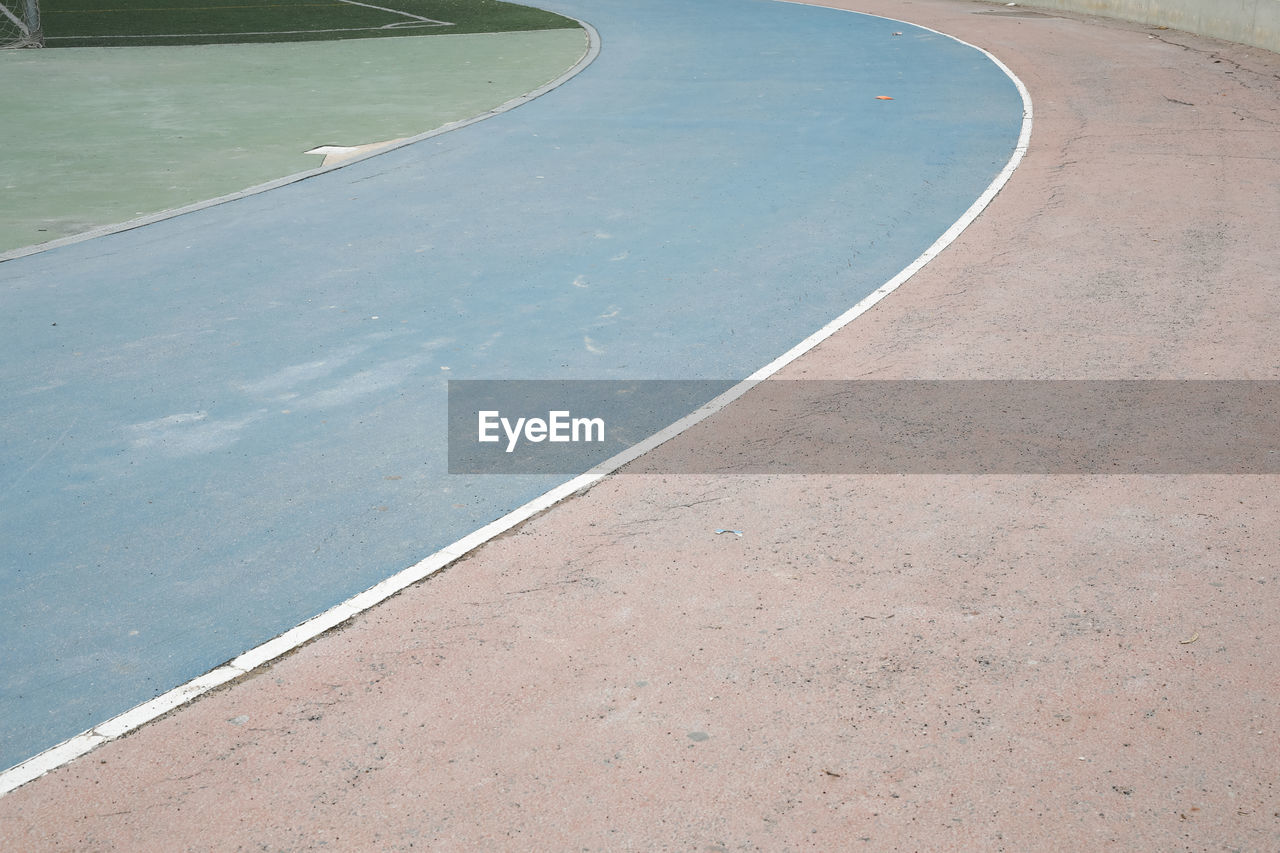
[99,23]
[93,137]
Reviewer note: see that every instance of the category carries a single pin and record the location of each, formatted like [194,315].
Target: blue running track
[219,425]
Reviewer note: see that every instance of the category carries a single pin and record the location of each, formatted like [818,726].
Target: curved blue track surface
[217,426]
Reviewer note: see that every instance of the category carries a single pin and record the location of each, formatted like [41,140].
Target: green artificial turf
[89,23]
[101,135]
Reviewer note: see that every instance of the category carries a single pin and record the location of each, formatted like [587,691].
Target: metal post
[35,33]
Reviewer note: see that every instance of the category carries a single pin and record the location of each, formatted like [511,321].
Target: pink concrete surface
[879,662]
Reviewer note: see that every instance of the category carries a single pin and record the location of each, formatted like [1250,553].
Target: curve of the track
[218,425]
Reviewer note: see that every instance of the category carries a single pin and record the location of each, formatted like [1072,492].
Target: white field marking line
[588,56]
[403,24]
[396,12]
[292,639]
[397,26]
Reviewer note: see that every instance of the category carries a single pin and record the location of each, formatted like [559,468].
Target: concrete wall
[1255,22]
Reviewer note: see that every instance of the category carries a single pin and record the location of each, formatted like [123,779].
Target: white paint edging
[73,748]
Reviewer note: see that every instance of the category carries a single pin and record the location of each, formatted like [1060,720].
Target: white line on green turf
[396,12]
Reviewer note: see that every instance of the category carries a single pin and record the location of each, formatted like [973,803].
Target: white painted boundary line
[396,12]
[588,56]
[68,750]
[425,22]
